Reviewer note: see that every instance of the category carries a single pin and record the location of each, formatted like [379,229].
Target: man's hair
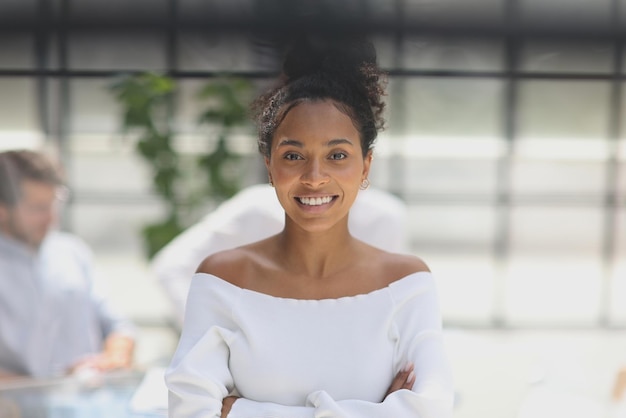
[19,165]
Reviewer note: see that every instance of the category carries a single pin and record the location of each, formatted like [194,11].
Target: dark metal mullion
[393,72]
[172,35]
[397,166]
[506,74]
[67,73]
[222,24]
[171,58]
[612,167]
[365,10]
[41,62]
[64,110]
[501,248]
[171,52]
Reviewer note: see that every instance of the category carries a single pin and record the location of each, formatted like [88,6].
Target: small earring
[271,182]
[364,184]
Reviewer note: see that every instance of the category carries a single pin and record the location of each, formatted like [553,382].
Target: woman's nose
[314,174]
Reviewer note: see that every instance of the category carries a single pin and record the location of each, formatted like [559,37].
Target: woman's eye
[292,156]
[338,156]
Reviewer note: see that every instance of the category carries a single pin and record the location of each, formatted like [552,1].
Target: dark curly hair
[344,71]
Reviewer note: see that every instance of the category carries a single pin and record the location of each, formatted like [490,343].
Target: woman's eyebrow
[338,141]
[292,142]
[331,143]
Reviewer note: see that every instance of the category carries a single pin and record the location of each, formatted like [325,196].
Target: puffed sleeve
[198,377]
[417,332]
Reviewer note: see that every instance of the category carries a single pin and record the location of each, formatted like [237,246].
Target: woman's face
[317,164]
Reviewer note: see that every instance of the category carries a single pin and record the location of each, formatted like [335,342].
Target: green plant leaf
[145,105]
[157,235]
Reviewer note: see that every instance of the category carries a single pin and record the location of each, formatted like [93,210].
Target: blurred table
[96,396]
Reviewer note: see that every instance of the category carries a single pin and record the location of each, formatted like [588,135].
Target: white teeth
[315,201]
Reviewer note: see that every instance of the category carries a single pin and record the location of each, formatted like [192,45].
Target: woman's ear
[269,174]
[367,161]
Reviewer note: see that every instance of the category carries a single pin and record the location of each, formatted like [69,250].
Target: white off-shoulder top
[293,358]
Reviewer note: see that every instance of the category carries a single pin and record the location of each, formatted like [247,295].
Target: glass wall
[507,146]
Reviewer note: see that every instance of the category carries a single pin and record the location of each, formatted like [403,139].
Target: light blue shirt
[50,312]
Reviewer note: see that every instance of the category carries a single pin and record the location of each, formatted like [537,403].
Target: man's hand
[117,354]
[6,376]
[619,386]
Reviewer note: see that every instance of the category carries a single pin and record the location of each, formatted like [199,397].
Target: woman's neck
[318,254]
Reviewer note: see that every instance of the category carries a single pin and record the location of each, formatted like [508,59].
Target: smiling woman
[316,164]
[281,327]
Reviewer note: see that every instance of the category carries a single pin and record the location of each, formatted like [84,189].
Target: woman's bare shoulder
[228,265]
[237,266]
[398,266]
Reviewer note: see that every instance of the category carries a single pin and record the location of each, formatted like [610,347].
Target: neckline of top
[387,288]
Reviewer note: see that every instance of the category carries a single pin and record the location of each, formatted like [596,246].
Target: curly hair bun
[344,56]
[342,69]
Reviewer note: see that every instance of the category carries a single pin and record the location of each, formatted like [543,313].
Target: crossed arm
[403,380]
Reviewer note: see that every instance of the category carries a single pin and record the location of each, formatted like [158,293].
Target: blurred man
[52,320]
[377,217]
